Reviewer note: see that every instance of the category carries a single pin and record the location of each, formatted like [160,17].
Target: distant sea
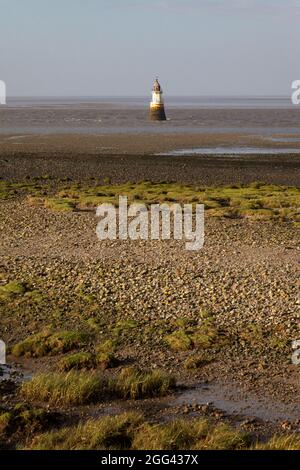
[189,114]
[171,101]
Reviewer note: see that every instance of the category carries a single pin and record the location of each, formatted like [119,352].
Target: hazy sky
[116,47]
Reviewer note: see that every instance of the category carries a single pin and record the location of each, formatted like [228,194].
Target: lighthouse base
[157,112]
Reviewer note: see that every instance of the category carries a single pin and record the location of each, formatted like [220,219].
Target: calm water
[258,115]
[232,151]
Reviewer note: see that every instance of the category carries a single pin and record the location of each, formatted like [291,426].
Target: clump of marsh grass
[135,383]
[177,434]
[123,327]
[105,354]
[63,389]
[106,360]
[288,442]
[223,437]
[179,340]
[107,346]
[198,360]
[201,336]
[48,343]
[257,337]
[204,335]
[81,360]
[81,387]
[60,204]
[130,431]
[184,434]
[86,360]
[23,421]
[108,433]
[12,289]
[15,290]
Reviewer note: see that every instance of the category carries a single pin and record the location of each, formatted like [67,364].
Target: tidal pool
[231,151]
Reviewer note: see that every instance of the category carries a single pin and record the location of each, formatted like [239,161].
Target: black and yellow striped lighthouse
[157,108]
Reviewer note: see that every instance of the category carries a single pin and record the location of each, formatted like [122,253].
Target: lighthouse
[157,109]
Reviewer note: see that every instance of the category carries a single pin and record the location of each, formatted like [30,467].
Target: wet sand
[133,158]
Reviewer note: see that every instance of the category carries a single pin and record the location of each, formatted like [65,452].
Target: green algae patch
[12,289]
[200,336]
[47,343]
[80,360]
[256,201]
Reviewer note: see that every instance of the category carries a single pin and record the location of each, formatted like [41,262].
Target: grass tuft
[47,343]
[23,421]
[80,387]
[223,437]
[198,360]
[60,389]
[135,383]
[183,434]
[12,289]
[106,360]
[81,360]
[288,442]
[201,336]
[60,204]
[179,340]
[108,433]
[129,431]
